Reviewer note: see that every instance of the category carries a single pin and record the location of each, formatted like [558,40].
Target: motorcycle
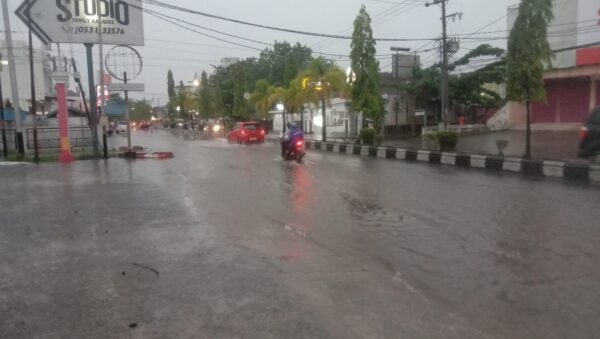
[295,152]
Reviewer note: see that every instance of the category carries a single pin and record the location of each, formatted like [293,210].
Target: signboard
[588,27]
[588,20]
[126,87]
[76,21]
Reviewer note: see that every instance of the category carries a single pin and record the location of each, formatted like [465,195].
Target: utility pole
[444,85]
[101,68]
[36,151]
[13,79]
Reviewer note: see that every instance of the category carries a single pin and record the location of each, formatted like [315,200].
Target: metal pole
[93,106]
[102,83]
[4,143]
[127,113]
[33,110]
[324,118]
[13,78]
[444,66]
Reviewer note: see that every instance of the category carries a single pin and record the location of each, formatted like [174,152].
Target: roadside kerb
[579,171]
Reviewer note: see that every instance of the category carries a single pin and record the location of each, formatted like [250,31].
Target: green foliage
[239,109]
[481,50]
[447,140]
[465,88]
[367,136]
[331,79]
[205,100]
[366,92]
[529,51]
[140,110]
[171,93]
[262,98]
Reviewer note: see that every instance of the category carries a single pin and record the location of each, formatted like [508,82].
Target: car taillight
[262,131]
[299,144]
[583,132]
[243,132]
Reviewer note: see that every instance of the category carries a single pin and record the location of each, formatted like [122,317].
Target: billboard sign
[588,37]
[77,21]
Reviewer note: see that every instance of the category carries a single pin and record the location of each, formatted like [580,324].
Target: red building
[572,81]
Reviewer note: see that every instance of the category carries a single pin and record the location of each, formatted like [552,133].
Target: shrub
[446,139]
[367,136]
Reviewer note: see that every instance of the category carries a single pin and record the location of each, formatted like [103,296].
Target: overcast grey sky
[171,47]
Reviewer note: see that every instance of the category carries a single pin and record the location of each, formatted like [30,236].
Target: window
[251,127]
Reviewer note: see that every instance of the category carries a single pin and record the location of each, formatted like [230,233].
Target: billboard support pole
[93,109]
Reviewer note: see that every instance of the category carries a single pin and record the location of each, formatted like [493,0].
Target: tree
[366,92]
[205,104]
[239,109]
[528,52]
[262,98]
[171,92]
[294,98]
[320,82]
[140,110]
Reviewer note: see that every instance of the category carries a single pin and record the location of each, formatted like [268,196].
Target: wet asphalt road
[228,241]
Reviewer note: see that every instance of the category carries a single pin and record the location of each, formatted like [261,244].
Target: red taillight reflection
[583,132]
[299,144]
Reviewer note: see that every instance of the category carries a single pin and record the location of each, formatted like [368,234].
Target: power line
[333,36]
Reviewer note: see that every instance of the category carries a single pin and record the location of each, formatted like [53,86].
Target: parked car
[122,127]
[589,146]
[246,132]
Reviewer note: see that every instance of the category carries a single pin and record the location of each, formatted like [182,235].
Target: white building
[337,114]
[42,69]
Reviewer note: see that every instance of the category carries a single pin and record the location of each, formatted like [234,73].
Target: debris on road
[148,268]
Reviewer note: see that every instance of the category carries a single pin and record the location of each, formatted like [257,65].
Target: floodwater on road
[229,241]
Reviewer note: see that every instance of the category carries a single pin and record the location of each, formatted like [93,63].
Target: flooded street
[229,241]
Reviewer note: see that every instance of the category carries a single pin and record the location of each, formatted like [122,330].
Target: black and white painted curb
[571,171]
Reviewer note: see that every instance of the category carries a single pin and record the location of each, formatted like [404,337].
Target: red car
[246,132]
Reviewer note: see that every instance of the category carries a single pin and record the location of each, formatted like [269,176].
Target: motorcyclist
[292,136]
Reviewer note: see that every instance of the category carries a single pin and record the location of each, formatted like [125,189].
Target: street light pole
[444,85]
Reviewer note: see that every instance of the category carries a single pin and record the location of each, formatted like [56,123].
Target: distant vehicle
[121,127]
[589,146]
[179,123]
[216,130]
[246,132]
[144,125]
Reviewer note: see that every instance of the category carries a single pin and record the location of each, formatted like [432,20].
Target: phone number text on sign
[94,30]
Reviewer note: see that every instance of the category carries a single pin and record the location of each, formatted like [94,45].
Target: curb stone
[574,171]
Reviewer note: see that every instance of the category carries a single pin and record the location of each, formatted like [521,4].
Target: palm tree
[262,98]
[320,82]
[294,99]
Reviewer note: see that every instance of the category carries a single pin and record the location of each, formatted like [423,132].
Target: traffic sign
[130,87]
[65,21]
